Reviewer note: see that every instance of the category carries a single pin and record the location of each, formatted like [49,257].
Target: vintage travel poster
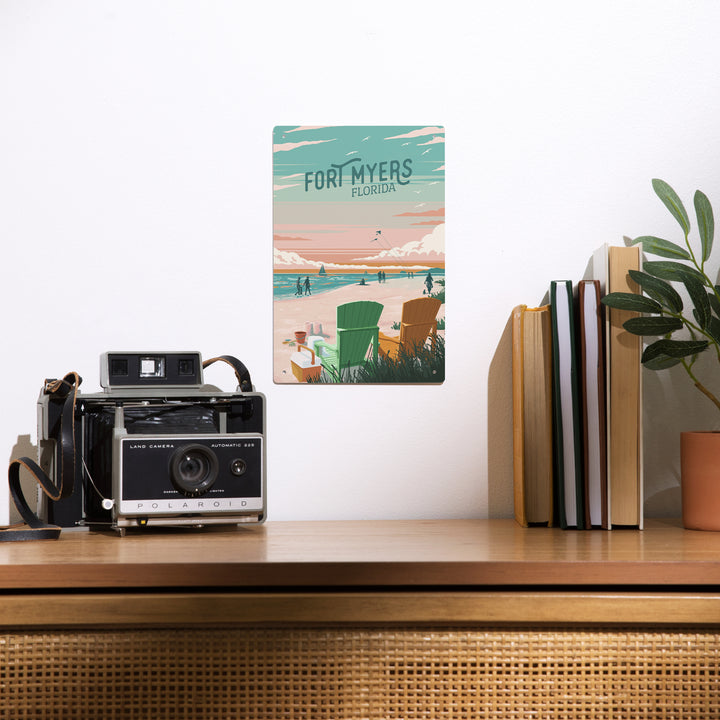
[359,254]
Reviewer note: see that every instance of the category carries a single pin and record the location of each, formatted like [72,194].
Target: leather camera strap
[33,528]
[241,372]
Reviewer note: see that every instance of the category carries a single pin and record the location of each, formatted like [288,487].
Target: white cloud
[419,132]
[290,261]
[284,147]
[431,246]
[437,139]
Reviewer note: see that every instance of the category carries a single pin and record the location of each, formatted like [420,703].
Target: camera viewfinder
[152,367]
[186,366]
[119,367]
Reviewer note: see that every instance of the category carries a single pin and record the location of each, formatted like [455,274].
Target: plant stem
[692,254]
[708,394]
[700,386]
[701,269]
[692,328]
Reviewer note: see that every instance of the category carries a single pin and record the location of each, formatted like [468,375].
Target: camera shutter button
[238,467]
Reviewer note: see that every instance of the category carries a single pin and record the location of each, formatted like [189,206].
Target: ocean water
[285,284]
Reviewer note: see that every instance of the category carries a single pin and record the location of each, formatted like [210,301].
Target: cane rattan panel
[363,672]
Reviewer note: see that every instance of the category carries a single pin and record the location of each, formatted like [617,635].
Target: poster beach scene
[359,254]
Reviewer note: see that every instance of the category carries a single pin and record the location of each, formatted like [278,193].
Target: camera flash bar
[143,369]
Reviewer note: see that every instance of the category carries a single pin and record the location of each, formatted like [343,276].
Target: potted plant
[683,332]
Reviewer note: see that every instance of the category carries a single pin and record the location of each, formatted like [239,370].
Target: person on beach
[307,285]
[429,283]
[298,288]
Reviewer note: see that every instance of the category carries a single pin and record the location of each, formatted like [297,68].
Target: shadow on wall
[672,405]
[24,448]
[500,459]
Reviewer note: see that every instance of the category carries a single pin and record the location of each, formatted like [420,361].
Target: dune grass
[425,365]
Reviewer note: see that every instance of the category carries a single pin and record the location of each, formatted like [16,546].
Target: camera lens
[193,469]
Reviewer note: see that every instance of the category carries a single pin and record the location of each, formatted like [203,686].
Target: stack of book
[577,415]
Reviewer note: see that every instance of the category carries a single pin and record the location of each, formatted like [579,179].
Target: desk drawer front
[361,672]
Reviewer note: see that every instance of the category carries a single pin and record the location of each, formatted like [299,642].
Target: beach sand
[293,314]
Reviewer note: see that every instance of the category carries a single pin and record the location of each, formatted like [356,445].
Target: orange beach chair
[416,325]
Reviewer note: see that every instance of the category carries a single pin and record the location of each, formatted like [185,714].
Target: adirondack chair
[417,323]
[357,331]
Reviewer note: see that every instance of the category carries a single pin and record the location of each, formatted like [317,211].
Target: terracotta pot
[300,337]
[700,480]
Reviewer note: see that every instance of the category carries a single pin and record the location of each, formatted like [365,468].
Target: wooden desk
[363,620]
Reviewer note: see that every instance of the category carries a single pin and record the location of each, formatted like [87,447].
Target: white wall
[136,203]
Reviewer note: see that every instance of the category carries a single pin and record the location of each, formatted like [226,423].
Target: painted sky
[319,220]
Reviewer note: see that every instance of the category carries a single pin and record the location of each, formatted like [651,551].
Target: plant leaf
[659,290]
[714,303]
[652,325]
[631,301]
[706,222]
[673,348]
[673,203]
[661,362]
[663,248]
[700,300]
[669,270]
[714,329]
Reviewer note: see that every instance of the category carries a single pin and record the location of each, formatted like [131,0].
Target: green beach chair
[357,332]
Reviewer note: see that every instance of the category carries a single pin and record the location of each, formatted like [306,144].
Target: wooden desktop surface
[389,572]
[365,554]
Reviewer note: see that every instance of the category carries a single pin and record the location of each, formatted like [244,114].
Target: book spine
[518,416]
[566,401]
[624,392]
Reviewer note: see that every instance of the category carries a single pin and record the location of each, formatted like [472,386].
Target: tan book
[624,390]
[532,415]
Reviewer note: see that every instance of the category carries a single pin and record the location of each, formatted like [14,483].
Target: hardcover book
[532,375]
[592,369]
[359,254]
[624,389]
[567,436]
